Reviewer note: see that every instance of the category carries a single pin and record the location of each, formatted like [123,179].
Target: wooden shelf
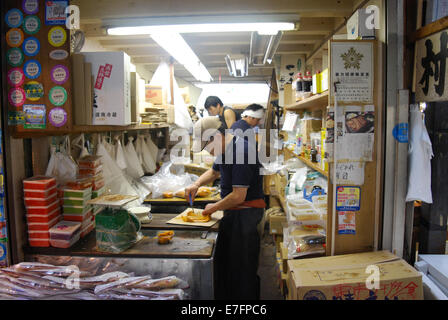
[310,164]
[317,101]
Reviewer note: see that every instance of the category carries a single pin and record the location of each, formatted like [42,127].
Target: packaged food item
[39,218]
[98,184]
[44,210]
[168,194]
[39,242]
[77,217]
[87,229]
[89,162]
[98,193]
[65,230]
[76,210]
[38,234]
[90,171]
[39,183]
[40,202]
[64,243]
[31,193]
[180,193]
[43,226]
[76,202]
[85,193]
[192,216]
[204,192]
[79,184]
[164,237]
[301,242]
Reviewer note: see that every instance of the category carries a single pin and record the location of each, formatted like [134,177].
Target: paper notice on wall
[290,121]
[347,223]
[349,173]
[355,133]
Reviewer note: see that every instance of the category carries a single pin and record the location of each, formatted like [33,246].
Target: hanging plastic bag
[61,165]
[79,143]
[134,168]
[153,149]
[148,159]
[119,155]
[138,150]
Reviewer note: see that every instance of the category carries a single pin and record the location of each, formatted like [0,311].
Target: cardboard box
[268,184]
[309,126]
[79,101]
[112,87]
[280,184]
[155,94]
[284,256]
[344,277]
[275,224]
[135,96]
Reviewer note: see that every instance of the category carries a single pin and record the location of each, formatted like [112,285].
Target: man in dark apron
[227,115]
[238,243]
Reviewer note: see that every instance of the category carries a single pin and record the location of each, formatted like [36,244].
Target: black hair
[254,107]
[212,101]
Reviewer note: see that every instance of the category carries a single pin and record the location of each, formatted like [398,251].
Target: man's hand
[209,209]
[191,189]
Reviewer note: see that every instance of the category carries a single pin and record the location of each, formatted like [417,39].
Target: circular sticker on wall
[14,18]
[57,117]
[59,74]
[31,46]
[58,96]
[33,90]
[14,57]
[16,77]
[30,6]
[57,36]
[58,54]
[14,37]
[16,97]
[31,24]
[32,69]
[2,251]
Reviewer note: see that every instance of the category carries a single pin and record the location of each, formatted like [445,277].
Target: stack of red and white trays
[43,209]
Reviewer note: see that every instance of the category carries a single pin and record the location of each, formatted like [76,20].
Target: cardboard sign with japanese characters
[430,78]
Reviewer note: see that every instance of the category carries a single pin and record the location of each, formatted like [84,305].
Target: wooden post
[172,79]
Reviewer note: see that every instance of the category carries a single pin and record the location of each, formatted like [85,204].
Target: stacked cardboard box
[43,209]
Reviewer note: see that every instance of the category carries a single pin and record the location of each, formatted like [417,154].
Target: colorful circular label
[57,117]
[32,69]
[31,46]
[30,6]
[31,24]
[57,36]
[2,251]
[16,97]
[34,90]
[58,54]
[15,57]
[14,37]
[16,77]
[59,74]
[58,96]
[14,18]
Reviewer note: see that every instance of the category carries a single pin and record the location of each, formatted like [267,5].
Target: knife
[191,202]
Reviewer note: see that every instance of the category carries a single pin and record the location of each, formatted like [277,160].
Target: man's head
[253,114]
[209,134]
[213,105]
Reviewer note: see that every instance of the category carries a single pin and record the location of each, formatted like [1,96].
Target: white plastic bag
[153,149]
[148,160]
[134,168]
[119,155]
[61,165]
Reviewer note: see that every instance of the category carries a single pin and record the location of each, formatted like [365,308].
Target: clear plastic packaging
[79,184]
[88,229]
[39,218]
[301,242]
[65,243]
[75,202]
[39,183]
[44,226]
[76,210]
[41,194]
[89,162]
[44,210]
[90,171]
[40,202]
[78,217]
[38,234]
[83,194]
[65,230]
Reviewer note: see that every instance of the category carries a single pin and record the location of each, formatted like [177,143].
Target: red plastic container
[38,234]
[44,226]
[97,185]
[38,218]
[41,202]
[89,162]
[78,217]
[44,210]
[79,184]
[30,193]
[88,229]
[64,243]
[39,242]
[90,171]
[39,183]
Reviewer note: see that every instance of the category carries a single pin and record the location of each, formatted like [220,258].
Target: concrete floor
[268,268]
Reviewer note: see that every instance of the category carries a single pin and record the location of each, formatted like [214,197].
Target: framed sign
[430,77]
[352,67]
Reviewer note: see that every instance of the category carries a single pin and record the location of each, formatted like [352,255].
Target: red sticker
[99,78]
[17,97]
[16,77]
[108,70]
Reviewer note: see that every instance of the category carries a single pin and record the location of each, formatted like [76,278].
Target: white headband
[254,114]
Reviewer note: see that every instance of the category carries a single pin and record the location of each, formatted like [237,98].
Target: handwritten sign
[430,81]
[350,173]
[348,198]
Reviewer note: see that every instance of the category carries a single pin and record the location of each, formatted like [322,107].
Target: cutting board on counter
[215,217]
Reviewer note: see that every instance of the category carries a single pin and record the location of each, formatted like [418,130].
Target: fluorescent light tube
[176,46]
[263,28]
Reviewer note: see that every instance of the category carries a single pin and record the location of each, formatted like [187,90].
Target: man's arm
[233,199]
[229,117]
[207,177]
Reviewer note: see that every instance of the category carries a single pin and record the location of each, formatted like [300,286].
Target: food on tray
[204,192]
[192,216]
[113,198]
[180,194]
[165,237]
[168,194]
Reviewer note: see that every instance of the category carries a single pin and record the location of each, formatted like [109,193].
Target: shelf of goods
[310,164]
[317,101]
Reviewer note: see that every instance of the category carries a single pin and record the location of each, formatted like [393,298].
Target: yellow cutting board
[215,217]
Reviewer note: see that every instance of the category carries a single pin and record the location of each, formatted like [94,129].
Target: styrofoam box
[112,94]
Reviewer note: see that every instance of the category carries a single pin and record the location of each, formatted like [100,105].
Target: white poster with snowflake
[352,70]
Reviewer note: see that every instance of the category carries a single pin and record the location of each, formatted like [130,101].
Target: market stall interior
[97,162]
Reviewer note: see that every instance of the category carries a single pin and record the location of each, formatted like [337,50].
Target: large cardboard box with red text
[348,277]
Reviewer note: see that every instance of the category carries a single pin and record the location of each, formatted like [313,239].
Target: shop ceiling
[318,20]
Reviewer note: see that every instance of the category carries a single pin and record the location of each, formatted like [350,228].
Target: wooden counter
[181,202]
[159,223]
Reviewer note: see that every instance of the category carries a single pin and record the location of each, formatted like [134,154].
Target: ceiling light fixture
[238,65]
[263,48]
[176,46]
